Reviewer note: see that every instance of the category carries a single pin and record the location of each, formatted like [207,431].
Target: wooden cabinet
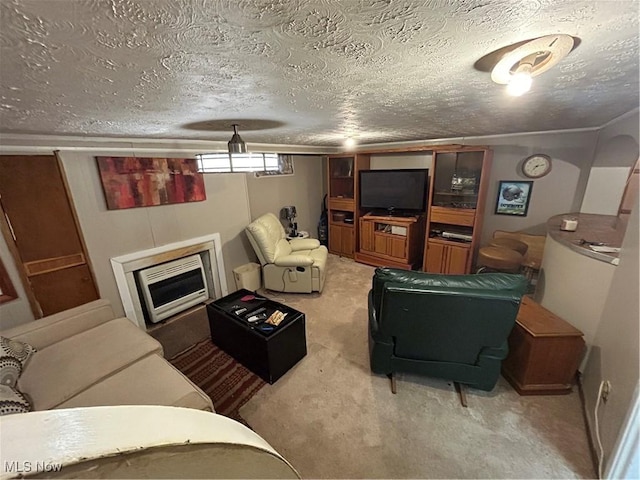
[457,195]
[391,241]
[544,352]
[341,240]
[343,201]
[446,257]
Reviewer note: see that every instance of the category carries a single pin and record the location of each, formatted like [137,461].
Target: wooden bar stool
[499,259]
[511,244]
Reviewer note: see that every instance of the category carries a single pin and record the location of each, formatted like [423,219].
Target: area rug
[228,383]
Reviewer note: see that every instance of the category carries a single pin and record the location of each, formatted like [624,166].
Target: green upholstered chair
[453,327]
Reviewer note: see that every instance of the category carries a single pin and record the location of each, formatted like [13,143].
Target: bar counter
[605,229]
[574,280]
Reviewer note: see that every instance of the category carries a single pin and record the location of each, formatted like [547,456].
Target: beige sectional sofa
[87,357]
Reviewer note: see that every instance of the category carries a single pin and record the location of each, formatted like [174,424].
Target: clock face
[536,166]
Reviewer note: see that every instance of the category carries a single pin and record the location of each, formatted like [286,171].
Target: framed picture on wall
[130,182]
[513,197]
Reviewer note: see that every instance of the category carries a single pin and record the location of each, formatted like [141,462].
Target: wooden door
[43,234]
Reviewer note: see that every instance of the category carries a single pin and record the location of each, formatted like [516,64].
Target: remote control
[257,318]
[256,311]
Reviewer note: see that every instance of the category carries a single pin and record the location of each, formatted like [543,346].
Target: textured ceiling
[305,72]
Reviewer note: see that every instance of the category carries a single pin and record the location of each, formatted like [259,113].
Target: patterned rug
[229,384]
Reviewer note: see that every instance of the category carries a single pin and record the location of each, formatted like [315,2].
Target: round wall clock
[536,166]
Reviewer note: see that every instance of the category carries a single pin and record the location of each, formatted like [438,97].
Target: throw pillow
[10,370]
[13,401]
[21,351]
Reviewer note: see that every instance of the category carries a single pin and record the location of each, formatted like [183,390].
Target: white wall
[395,161]
[109,233]
[559,192]
[615,351]
[303,189]
[566,276]
[616,153]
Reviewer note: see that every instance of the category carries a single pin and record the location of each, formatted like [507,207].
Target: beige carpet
[332,418]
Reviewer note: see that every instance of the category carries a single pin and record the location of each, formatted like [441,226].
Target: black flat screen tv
[394,191]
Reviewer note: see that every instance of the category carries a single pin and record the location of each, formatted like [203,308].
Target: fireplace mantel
[125,266]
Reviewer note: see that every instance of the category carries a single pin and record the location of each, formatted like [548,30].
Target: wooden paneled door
[43,234]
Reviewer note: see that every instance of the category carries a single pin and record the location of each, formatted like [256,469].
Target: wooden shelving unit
[459,176]
[457,197]
[342,207]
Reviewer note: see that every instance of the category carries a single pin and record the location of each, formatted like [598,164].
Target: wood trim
[24,279]
[74,212]
[6,285]
[416,148]
[38,267]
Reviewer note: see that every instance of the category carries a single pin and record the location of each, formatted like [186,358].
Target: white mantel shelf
[125,266]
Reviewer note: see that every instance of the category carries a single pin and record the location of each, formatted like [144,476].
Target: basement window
[239,162]
[7,290]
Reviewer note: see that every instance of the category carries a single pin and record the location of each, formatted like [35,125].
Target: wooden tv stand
[391,241]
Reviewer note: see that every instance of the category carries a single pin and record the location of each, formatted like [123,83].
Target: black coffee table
[268,352]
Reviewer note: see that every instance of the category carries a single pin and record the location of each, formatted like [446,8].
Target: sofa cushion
[64,369]
[149,381]
[12,401]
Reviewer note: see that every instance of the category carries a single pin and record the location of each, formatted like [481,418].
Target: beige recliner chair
[297,265]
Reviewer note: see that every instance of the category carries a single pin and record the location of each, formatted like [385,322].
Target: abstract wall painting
[130,182]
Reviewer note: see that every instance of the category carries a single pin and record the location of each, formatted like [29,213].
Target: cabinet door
[341,240]
[457,260]
[335,239]
[436,253]
[346,241]
[397,247]
[366,236]
[380,244]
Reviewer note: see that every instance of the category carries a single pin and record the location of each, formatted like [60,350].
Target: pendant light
[236,144]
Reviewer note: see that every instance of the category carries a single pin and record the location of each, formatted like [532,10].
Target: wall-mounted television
[394,191]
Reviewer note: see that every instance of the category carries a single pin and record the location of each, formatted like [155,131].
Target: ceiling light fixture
[236,144]
[350,142]
[238,158]
[517,68]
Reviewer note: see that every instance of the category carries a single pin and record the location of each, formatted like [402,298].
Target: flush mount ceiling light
[518,66]
[349,142]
